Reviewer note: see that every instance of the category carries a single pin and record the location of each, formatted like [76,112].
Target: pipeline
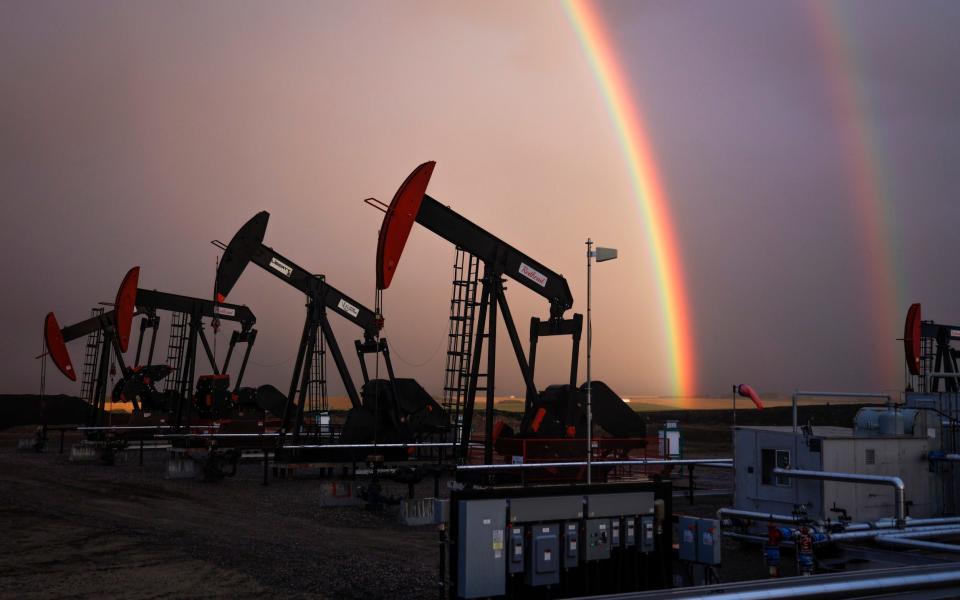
[899,496]
[722,463]
[724,513]
[908,542]
[907,579]
[758,516]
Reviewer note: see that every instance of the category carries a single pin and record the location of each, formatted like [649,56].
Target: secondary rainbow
[872,208]
[648,188]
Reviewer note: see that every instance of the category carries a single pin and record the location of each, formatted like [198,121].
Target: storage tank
[891,422]
[872,421]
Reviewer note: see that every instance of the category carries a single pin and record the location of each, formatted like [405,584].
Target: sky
[807,152]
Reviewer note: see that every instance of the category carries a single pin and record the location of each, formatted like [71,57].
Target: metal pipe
[900,507]
[748,537]
[849,527]
[589,393]
[907,542]
[861,536]
[141,427]
[908,523]
[756,516]
[906,579]
[799,394]
[324,446]
[218,435]
[722,463]
[929,531]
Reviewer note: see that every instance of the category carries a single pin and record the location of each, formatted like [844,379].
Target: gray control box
[481,568]
[515,551]
[647,541]
[615,532]
[597,539]
[629,532]
[708,541]
[544,554]
[571,544]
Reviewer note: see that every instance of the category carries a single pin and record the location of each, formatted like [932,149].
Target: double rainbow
[860,148]
[649,191]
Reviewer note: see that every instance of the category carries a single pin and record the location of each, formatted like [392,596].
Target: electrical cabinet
[562,540]
[544,559]
[482,565]
[615,505]
[647,531]
[515,551]
[546,508]
[629,532]
[708,541]
[688,538]
[571,545]
[598,539]
[700,540]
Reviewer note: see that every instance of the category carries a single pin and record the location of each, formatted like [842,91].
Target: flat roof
[826,432]
[819,431]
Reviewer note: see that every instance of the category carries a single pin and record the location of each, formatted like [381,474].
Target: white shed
[758,450]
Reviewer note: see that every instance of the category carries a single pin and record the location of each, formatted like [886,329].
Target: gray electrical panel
[547,508]
[615,505]
[481,559]
[629,532]
[571,545]
[647,541]
[708,541]
[544,558]
[597,539]
[515,550]
[688,538]
[561,539]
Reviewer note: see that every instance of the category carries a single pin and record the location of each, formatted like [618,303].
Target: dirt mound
[24,409]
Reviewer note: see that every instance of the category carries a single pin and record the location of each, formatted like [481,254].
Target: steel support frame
[492,299]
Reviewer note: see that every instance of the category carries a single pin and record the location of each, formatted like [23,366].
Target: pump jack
[927,363]
[559,405]
[117,325]
[411,412]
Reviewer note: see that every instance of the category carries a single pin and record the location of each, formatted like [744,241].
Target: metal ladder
[463,304]
[90,358]
[175,346]
[927,356]
[316,399]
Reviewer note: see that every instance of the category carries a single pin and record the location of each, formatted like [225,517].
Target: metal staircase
[463,304]
[175,350]
[91,356]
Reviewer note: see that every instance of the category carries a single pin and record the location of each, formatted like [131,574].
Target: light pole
[601,254]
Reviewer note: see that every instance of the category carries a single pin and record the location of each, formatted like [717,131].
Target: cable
[270,365]
[432,356]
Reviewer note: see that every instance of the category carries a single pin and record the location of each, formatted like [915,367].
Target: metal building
[759,450]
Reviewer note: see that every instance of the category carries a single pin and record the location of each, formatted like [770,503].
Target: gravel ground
[80,530]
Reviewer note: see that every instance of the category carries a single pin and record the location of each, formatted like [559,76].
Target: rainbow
[648,189]
[873,210]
